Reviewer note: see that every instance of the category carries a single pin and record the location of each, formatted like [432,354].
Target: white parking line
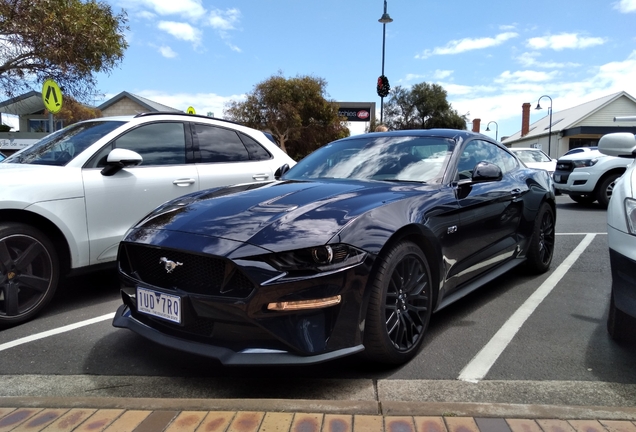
[53,332]
[479,366]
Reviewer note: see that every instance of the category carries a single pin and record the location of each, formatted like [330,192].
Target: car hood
[592,154]
[30,184]
[279,215]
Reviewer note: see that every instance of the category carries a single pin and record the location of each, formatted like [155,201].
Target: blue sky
[490,56]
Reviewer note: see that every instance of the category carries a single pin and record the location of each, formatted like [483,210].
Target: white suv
[66,201]
[621,237]
[588,176]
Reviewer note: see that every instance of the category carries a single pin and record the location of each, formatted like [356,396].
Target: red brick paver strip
[337,423]
[618,425]
[587,426]
[216,421]
[246,422]
[69,421]
[368,423]
[555,426]
[461,424]
[307,422]
[128,421]
[399,424]
[17,417]
[429,424]
[187,421]
[41,420]
[523,425]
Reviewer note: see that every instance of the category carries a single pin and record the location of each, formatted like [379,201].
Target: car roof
[443,133]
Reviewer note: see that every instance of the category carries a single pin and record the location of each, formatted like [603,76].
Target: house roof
[146,103]
[562,120]
[25,104]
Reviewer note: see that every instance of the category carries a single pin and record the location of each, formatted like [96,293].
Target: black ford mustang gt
[350,251]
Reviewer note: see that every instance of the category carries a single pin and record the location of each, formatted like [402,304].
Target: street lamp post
[550,126]
[496,129]
[384,20]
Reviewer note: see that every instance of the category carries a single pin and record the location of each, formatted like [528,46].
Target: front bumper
[246,357]
[578,181]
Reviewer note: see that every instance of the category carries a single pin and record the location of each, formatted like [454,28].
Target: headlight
[630,213]
[317,259]
[584,163]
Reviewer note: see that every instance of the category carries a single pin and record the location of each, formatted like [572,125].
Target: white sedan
[67,201]
[535,158]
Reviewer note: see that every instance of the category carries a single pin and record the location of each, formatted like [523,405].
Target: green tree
[65,40]
[73,111]
[294,110]
[424,106]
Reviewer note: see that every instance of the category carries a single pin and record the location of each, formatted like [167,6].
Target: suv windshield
[62,146]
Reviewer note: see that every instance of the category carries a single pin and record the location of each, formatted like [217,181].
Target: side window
[477,151]
[157,143]
[255,150]
[218,144]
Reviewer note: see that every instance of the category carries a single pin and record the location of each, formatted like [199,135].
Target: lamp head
[385,19]
[487,128]
[538,106]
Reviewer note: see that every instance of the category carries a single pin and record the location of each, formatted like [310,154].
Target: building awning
[28,103]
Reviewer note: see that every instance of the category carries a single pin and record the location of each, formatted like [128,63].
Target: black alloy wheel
[541,249]
[28,273]
[400,306]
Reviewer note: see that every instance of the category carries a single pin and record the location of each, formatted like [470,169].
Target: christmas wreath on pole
[383,86]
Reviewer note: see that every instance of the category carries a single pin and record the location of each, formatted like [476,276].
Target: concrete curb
[387,408]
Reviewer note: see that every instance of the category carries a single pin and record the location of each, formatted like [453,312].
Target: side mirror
[119,159]
[620,144]
[280,171]
[486,171]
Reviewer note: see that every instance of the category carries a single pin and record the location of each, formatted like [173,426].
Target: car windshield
[395,158]
[62,146]
[532,156]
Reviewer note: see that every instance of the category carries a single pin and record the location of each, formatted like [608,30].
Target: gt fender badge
[168,264]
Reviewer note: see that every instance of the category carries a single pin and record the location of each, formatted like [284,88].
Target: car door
[225,156]
[114,203]
[489,212]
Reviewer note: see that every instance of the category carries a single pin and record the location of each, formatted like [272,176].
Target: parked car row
[66,201]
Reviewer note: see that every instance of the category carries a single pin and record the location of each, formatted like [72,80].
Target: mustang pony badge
[169,265]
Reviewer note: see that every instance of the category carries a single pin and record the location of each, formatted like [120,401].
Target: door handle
[260,177]
[183,182]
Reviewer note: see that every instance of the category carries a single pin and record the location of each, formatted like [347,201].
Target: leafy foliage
[424,106]
[294,110]
[73,111]
[65,40]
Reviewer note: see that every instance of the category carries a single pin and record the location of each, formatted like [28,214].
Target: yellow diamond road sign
[52,96]
[191,110]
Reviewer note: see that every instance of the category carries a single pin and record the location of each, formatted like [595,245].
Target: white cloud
[529,59]
[525,76]
[167,52]
[184,8]
[180,30]
[626,6]
[223,21]
[441,74]
[468,44]
[564,41]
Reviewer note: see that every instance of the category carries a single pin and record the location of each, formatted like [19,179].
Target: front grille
[565,166]
[192,273]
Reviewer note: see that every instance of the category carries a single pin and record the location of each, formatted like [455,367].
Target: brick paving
[121,420]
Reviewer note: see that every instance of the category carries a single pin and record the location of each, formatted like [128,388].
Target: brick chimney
[476,125]
[525,119]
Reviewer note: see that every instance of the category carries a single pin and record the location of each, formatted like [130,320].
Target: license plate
[159,304]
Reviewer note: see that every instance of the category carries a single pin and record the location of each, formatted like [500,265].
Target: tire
[583,199]
[541,248]
[29,273]
[605,189]
[620,326]
[400,305]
